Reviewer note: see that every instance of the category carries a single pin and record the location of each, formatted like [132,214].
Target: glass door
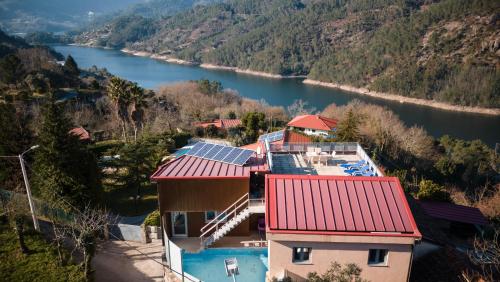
[179,224]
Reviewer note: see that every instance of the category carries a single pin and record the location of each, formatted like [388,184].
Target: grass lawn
[39,265]
[117,200]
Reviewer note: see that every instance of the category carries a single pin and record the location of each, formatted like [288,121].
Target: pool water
[208,265]
[182,151]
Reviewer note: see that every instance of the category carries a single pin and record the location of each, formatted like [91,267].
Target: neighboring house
[314,125]
[221,124]
[82,133]
[299,198]
[314,220]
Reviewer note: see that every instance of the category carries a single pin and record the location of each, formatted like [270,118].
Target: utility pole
[28,192]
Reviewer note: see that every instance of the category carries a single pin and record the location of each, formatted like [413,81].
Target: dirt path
[120,261]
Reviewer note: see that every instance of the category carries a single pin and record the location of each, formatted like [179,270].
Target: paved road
[120,261]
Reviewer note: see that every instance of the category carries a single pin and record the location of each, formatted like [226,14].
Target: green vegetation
[153,219]
[441,50]
[40,264]
[336,273]
[64,168]
[429,190]
[348,128]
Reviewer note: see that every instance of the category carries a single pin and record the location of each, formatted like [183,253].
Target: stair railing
[223,217]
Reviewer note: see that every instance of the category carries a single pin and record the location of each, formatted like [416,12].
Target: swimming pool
[182,151]
[208,265]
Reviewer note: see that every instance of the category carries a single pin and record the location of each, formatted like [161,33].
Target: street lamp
[28,190]
[27,184]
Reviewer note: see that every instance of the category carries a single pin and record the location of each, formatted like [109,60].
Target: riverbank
[403,99]
[248,71]
[158,57]
[346,88]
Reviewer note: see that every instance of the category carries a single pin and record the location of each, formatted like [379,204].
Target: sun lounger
[350,165]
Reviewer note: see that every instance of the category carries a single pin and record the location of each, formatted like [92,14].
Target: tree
[209,87]
[138,102]
[299,107]
[71,67]
[350,273]
[253,122]
[11,69]
[87,225]
[231,115]
[17,209]
[428,190]
[348,128]
[118,91]
[65,172]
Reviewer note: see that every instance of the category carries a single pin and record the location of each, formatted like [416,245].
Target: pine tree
[348,128]
[71,67]
[66,173]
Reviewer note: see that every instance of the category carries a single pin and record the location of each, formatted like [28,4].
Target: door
[179,224]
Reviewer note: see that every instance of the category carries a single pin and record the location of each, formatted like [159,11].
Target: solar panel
[213,152]
[221,153]
[243,157]
[195,148]
[273,136]
[232,155]
[204,150]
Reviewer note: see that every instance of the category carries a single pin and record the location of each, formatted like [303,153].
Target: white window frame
[377,255]
[309,261]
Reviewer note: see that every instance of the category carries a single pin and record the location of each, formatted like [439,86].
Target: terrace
[318,158]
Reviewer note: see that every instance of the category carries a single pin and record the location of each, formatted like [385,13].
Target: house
[314,125]
[314,220]
[221,124]
[296,201]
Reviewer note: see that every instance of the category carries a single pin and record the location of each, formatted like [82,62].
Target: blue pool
[182,151]
[208,265]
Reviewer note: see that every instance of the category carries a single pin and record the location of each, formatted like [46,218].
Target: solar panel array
[221,153]
[273,136]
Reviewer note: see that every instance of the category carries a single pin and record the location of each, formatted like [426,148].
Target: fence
[338,147]
[173,258]
[42,208]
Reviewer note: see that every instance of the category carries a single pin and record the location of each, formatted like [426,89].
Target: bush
[181,139]
[429,190]
[153,219]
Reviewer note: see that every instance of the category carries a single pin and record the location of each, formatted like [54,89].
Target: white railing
[223,217]
[339,147]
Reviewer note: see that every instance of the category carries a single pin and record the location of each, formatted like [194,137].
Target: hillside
[420,48]
[25,16]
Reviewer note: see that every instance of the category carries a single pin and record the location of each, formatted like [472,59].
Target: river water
[150,73]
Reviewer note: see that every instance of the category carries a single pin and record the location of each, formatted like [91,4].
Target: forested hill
[445,50]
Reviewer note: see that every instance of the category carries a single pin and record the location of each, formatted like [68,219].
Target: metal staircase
[227,220]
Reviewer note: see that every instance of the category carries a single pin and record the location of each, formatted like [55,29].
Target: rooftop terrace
[318,158]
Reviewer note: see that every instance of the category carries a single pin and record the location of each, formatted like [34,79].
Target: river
[150,73]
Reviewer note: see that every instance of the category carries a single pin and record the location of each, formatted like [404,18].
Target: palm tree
[138,104]
[118,91]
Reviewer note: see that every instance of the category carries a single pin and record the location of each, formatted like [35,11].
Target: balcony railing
[338,147]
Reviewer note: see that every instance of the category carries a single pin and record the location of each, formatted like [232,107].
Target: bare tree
[486,255]
[299,107]
[85,229]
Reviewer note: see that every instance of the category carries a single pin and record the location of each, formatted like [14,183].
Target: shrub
[153,219]
[181,139]
[429,190]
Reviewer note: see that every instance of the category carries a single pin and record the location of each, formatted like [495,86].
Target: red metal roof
[454,212]
[220,123]
[80,132]
[294,137]
[194,167]
[313,122]
[337,205]
[228,123]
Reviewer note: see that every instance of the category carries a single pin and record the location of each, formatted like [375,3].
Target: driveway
[120,261]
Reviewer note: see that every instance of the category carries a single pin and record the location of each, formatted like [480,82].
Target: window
[210,215]
[377,257]
[301,255]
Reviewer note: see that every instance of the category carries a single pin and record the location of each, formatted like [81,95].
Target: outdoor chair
[352,165]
